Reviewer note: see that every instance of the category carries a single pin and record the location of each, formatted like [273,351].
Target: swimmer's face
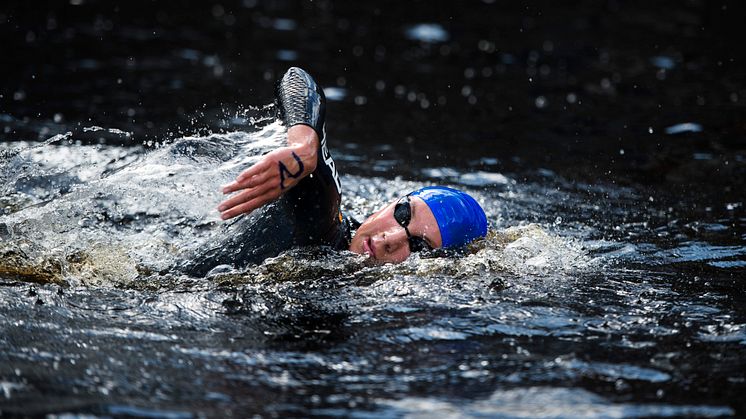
[384,240]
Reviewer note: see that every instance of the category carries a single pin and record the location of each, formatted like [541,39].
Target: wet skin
[265,181]
[380,236]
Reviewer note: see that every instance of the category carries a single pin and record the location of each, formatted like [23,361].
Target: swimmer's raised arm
[300,102]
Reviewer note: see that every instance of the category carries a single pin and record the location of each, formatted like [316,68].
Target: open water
[605,140]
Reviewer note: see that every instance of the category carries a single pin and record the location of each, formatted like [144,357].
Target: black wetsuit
[308,214]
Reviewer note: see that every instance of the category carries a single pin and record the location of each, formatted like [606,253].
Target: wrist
[305,143]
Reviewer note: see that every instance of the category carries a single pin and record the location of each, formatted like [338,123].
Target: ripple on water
[696,251]
[723,332]
[612,372]
[552,402]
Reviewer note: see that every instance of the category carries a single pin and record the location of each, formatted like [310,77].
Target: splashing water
[125,210]
[109,216]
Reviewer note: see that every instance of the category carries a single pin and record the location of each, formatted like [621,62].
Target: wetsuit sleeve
[300,100]
[315,200]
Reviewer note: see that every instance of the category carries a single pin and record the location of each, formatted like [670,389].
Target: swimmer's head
[460,218]
[431,217]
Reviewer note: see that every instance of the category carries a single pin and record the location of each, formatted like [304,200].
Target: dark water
[606,141]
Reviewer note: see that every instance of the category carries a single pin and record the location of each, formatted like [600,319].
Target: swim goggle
[403,215]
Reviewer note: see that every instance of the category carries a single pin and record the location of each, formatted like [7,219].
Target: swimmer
[299,187]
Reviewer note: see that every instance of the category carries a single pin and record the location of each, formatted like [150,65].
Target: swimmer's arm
[277,172]
[301,106]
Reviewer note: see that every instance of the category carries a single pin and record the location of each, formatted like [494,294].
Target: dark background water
[579,103]
[496,85]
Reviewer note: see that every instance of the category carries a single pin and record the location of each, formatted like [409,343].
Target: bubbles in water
[531,250]
[283,24]
[335,93]
[663,62]
[286,55]
[541,102]
[480,178]
[486,46]
[427,32]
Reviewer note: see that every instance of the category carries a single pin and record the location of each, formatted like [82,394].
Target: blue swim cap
[459,216]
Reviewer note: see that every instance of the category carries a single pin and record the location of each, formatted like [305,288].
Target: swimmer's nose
[393,240]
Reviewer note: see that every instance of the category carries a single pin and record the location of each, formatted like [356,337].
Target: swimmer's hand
[273,175]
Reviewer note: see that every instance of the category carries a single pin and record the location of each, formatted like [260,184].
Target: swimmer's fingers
[245,183]
[249,206]
[260,167]
[245,196]
[266,180]
[249,174]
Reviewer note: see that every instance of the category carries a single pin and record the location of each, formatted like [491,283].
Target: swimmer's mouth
[368,248]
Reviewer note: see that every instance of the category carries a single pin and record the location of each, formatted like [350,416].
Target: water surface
[605,142]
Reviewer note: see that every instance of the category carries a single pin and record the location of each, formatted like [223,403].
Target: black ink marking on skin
[284,170]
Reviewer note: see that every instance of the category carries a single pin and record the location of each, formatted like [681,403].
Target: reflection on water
[605,142]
